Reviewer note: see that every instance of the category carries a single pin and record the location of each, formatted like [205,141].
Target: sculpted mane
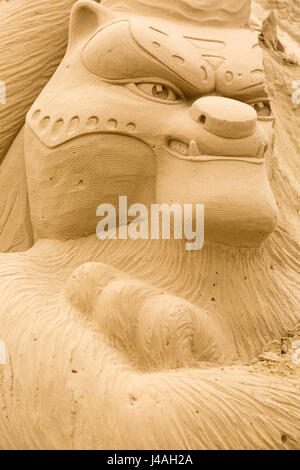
[229,12]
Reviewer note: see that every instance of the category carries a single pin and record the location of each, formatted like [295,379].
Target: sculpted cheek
[67,183]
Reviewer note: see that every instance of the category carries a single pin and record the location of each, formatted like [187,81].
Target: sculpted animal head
[159,108]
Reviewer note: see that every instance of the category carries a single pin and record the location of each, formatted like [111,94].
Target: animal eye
[263,108]
[158,92]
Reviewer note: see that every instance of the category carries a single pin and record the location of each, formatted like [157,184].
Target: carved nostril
[202,119]
[225,117]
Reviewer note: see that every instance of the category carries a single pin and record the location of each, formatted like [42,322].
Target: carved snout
[225,117]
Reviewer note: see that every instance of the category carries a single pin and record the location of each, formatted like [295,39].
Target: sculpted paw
[86,283]
[153,328]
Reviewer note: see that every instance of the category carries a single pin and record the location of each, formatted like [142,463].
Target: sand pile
[96,397]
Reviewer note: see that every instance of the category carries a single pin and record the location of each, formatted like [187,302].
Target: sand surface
[74,380]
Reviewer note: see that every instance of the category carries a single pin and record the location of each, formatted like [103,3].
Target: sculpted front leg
[156,330]
[65,387]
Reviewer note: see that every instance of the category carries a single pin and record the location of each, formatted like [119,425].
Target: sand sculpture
[138,344]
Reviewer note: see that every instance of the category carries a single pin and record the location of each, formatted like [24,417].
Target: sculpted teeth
[179,147]
[194,149]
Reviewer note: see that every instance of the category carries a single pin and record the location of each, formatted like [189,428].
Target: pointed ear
[86,17]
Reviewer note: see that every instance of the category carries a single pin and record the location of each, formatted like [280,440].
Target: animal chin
[191,151]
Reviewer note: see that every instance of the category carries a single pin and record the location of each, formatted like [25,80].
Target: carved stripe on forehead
[116,52]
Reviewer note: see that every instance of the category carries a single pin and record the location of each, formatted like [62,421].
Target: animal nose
[225,117]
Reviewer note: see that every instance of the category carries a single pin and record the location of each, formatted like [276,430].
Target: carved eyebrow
[158,31]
